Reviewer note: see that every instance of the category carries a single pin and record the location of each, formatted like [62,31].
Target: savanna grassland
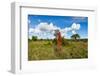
[45,50]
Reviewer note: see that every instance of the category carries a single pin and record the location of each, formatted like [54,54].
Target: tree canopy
[75,36]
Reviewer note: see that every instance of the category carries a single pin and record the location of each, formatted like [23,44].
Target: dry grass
[44,50]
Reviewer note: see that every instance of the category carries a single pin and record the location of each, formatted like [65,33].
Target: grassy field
[44,50]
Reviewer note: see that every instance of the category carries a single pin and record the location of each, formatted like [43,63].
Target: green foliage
[75,36]
[64,42]
[29,39]
[34,38]
[54,41]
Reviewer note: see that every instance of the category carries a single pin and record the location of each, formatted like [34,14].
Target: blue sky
[76,24]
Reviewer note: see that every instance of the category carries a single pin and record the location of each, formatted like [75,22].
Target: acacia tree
[75,36]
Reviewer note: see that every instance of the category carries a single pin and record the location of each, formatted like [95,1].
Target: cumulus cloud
[46,26]
[75,26]
[73,31]
[33,30]
[45,30]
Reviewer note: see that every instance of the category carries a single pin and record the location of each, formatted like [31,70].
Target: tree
[34,38]
[75,36]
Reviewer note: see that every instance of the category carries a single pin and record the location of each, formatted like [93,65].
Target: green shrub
[34,38]
[64,42]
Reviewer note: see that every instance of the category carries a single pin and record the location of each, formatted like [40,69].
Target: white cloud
[73,31]
[46,27]
[33,30]
[75,26]
[45,30]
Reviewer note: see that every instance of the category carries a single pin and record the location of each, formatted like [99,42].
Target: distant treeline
[84,40]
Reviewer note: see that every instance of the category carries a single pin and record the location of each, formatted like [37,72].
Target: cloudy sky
[43,26]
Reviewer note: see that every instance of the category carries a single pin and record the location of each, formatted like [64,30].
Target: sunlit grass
[44,50]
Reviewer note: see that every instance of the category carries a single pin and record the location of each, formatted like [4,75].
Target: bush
[34,38]
[64,42]
[54,41]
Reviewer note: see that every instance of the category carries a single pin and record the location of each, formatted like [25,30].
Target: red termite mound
[59,41]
